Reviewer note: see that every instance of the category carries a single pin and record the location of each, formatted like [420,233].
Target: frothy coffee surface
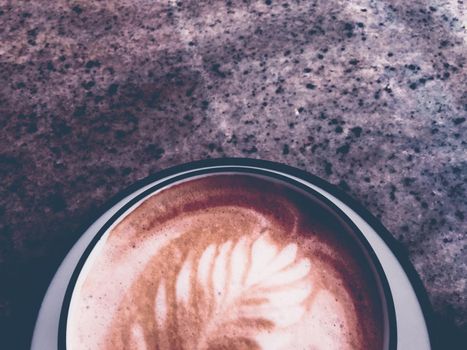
[226,262]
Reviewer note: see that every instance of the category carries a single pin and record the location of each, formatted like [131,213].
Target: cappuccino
[227,261]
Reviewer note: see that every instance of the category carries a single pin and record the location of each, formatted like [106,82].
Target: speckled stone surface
[94,95]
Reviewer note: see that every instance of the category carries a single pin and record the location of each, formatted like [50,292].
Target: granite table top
[94,95]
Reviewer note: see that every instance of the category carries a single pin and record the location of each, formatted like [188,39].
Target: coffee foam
[225,262]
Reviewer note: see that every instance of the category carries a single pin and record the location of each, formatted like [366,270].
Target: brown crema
[226,262]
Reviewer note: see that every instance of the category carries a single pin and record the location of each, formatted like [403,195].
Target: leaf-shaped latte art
[232,294]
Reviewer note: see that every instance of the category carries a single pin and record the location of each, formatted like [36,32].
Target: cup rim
[186,171]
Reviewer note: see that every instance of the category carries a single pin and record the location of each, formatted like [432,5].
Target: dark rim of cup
[262,167]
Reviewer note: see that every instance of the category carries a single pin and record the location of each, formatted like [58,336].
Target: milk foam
[219,277]
[243,283]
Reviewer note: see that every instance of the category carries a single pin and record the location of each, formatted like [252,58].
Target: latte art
[248,291]
[225,262]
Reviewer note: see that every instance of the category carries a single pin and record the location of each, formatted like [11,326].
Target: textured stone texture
[94,95]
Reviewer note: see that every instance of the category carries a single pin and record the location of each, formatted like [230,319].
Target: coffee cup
[228,257]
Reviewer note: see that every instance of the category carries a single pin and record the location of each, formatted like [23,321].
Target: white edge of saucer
[412,332]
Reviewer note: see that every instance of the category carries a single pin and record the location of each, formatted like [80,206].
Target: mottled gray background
[94,95]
